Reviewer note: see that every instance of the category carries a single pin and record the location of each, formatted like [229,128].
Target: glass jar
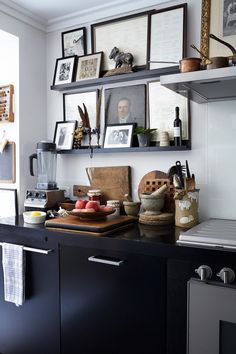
[95,194]
[114,204]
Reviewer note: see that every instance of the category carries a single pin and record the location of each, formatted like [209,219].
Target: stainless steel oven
[212,313]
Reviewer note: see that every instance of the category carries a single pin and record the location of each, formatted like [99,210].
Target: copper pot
[218,62]
[189,64]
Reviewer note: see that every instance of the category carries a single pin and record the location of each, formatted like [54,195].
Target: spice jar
[95,194]
[115,204]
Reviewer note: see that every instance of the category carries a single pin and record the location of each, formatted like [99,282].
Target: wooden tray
[91,216]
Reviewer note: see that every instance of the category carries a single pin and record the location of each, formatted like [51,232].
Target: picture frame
[106,34]
[9,204]
[162,103]
[126,104]
[74,42]
[118,136]
[89,67]
[214,20]
[64,70]
[63,135]
[167,33]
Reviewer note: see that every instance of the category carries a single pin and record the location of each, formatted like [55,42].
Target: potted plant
[144,135]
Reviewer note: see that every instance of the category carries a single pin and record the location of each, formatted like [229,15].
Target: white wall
[30,119]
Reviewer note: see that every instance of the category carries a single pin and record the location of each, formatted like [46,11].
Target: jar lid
[94,191]
[113,202]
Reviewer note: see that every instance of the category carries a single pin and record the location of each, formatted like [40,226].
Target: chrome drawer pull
[106,260]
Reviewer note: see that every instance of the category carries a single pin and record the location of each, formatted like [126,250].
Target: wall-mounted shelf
[120,150]
[205,85]
[137,75]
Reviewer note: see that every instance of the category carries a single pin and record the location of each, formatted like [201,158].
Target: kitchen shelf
[137,75]
[204,85]
[120,150]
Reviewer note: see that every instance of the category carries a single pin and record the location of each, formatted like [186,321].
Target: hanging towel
[13,261]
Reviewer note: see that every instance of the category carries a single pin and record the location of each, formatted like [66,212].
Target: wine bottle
[177,128]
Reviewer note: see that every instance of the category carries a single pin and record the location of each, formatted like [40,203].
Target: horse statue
[121,58]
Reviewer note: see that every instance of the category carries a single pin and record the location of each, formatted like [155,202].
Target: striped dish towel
[13,261]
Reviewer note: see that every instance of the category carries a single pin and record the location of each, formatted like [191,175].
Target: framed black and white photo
[167,36]
[64,70]
[74,42]
[89,67]
[8,205]
[128,34]
[63,135]
[118,136]
[162,103]
[126,105]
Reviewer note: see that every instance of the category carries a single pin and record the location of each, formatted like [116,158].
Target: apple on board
[92,204]
[81,204]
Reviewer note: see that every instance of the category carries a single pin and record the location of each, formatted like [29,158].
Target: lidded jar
[115,204]
[95,194]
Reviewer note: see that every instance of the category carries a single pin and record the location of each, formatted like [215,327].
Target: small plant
[142,130]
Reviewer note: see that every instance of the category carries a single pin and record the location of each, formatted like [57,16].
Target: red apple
[92,205]
[80,204]
[108,208]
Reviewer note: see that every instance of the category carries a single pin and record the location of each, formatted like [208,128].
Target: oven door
[211,318]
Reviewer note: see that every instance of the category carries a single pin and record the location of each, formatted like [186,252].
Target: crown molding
[11,9]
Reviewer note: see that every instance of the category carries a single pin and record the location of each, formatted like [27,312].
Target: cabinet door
[33,328]
[108,308]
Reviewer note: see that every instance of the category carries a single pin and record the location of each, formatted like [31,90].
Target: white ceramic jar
[114,204]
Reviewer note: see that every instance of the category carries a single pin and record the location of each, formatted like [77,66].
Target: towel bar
[36,250]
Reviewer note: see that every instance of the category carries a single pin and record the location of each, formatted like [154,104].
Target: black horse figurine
[121,58]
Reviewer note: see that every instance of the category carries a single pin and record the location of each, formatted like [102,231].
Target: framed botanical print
[74,42]
[89,67]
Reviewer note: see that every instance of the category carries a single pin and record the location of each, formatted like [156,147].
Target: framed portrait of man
[125,105]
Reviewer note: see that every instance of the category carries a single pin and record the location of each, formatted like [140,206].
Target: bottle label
[176,132]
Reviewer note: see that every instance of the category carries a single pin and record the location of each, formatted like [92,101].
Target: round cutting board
[148,177]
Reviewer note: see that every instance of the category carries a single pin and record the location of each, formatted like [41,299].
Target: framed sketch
[74,42]
[218,18]
[9,205]
[64,70]
[118,136]
[162,103]
[63,135]
[167,33]
[89,67]
[126,105]
[129,34]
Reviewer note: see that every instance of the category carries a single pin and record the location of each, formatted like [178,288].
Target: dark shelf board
[120,150]
[138,75]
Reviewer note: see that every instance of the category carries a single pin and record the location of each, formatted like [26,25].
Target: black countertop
[137,238]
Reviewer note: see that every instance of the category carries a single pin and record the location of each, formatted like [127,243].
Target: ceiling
[49,10]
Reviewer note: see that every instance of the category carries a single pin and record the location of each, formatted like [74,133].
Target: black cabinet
[107,308]
[34,327]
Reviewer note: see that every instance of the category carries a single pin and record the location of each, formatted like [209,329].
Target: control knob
[227,275]
[204,272]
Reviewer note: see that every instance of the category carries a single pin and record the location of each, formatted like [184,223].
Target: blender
[46,195]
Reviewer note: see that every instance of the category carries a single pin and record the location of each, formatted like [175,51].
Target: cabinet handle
[106,260]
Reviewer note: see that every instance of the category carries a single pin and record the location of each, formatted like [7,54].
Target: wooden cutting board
[101,227]
[114,182]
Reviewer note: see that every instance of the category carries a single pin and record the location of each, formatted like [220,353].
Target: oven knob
[227,275]
[204,272]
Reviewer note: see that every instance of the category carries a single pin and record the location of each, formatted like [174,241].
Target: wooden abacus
[6,103]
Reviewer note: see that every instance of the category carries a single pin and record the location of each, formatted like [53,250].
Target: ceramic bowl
[131,208]
[34,217]
[152,204]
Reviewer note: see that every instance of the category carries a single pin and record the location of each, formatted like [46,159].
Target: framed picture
[64,70]
[126,105]
[89,67]
[63,135]
[74,42]
[8,205]
[118,136]
[167,33]
[218,18]
[128,34]
[162,103]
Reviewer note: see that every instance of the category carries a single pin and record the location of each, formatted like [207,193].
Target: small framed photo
[9,205]
[126,105]
[74,42]
[64,70]
[118,136]
[63,135]
[89,66]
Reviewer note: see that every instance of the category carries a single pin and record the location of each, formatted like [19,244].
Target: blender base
[43,199]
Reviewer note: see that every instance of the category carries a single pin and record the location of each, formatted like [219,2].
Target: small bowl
[30,218]
[131,208]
